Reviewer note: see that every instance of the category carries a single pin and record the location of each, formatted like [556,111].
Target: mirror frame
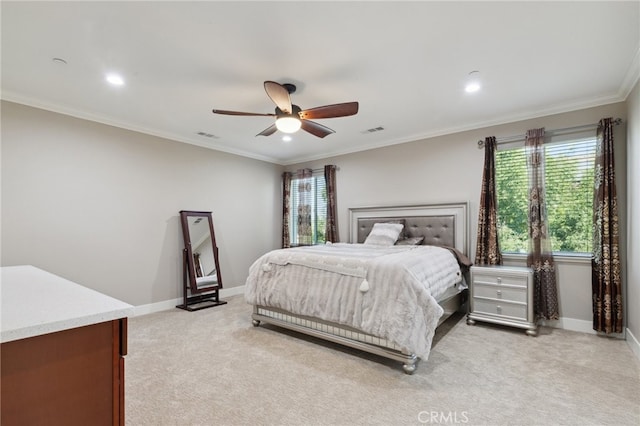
[191,270]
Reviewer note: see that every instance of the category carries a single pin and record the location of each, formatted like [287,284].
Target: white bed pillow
[384,234]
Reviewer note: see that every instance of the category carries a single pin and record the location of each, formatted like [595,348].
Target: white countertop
[35,302]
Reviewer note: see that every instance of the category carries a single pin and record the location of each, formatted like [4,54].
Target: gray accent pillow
[384,234]
[411,241]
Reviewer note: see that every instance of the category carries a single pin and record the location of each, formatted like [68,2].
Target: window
[308,212]
[569,173]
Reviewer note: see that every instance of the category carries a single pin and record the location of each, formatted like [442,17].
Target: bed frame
[439,224]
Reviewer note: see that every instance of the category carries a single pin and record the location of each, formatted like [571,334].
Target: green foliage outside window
[317,200]
[321,213]
[569,174]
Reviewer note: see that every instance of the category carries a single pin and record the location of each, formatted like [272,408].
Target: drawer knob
[499,309]
[499,293]
[499,280]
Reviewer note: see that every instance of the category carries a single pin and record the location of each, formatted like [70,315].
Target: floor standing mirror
[201,271]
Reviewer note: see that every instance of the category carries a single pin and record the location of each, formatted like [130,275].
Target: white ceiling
[404,62]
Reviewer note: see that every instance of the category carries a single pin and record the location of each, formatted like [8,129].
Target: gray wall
[99,205]
[633,232]
[449,169]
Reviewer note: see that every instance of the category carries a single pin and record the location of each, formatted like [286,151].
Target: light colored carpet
[212,367]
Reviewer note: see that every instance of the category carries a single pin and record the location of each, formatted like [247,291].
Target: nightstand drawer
[514,294]
[500,279]
[504,309]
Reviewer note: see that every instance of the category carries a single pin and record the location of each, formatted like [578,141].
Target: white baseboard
[155,307]
[583,326]
[633,343]
[171,304]
[570,324]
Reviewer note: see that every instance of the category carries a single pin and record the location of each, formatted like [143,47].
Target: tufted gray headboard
[439,224]
[436,230]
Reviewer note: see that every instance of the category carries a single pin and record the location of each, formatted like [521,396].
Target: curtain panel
[197,264]
[286,205]
[540,257]
[331,230]
[487,247]
[605,264]
[305,232]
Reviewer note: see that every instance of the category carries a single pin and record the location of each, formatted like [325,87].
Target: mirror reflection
[206,273]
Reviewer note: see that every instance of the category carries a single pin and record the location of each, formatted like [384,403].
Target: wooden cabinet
[71,377]
[502,295]
[62,351]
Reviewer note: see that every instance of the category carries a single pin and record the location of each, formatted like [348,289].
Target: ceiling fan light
[288,124]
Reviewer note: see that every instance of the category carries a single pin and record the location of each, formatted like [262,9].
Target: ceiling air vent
[207,135]
[373,130]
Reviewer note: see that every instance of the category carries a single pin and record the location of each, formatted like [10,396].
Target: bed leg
[409,367]
[255,322]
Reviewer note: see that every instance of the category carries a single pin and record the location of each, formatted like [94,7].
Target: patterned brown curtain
[331,230]
[197,264]
[487,247]
[540,257]
[305,232]
[286,205]
[605,263]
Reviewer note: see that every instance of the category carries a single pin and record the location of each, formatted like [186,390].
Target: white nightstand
[502,295]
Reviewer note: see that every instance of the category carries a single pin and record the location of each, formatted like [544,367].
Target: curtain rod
[510,139]
[318,170]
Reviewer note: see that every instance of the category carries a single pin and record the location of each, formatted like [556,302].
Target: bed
[385,299]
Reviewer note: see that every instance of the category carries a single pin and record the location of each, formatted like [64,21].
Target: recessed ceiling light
[473,82]
[286,138]
[115,79]
[472,87]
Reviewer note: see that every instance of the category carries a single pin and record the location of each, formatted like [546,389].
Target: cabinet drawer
[500,279]
[515,294]
[494,307]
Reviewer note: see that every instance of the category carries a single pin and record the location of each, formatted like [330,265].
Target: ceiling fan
[290,118]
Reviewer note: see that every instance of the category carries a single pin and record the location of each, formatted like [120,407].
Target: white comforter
[389,292]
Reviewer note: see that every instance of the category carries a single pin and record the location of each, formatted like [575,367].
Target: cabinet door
[64,378]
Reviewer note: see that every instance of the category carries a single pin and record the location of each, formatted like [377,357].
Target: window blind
[569,174]
[308,210]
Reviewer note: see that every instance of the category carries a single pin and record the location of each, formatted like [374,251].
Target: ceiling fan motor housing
[291,88]
[295,112]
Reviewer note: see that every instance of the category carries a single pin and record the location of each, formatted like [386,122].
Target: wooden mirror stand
[201,271]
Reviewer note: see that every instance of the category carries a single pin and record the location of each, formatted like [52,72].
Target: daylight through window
[308,212]
[569,173]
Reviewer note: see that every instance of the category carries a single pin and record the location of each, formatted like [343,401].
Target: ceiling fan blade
[222,111]
[330,111]
[316,129]
[279,95]
[268,131]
